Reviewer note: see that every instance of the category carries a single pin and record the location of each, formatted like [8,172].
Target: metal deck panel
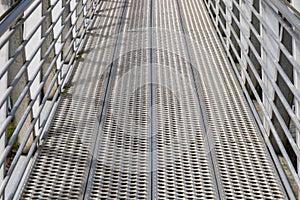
[183,168]
[243,166]
[62,165]
[153,111]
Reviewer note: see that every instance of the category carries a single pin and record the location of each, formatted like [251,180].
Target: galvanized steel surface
[154,111]
[36,54]
[261,39]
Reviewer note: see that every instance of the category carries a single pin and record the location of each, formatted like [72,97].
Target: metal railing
[39,41]
[262,40]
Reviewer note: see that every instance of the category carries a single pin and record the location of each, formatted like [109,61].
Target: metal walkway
[153,112]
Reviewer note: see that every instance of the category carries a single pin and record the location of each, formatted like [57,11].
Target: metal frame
[66,33]
[68,28]
[274,17]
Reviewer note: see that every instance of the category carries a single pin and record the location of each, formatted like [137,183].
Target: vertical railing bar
[19,152]
[282,47]
[63,48]
[291,17]
[6,23]
[65,36]
[278,67]
[24,67]
[293,117]
[21,47]
[228,19]
[277,162]
[296,55]
[34,99]
[79,17]
[89,4]
[289,110]
[261,126]
[270,122]
[15,27]
[269,53]
[27,88]
[42,105]
[244,26]
[47,33]
[81,25]
[68,71]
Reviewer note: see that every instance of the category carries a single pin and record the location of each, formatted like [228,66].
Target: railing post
[256,4]
[45,6]
[79,18]
[89,8]
[3,112]
[228,22]
[296,54]
[271,21]
[297,103]
[68,25]
[246,31]
[216,7]
[3,109]
[280,58]
[14,44]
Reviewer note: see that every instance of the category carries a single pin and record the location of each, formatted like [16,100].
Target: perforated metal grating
[183,169]
[121,167]
[62,165]
[154,112]
[243,166]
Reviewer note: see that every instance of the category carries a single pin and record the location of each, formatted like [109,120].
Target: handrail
[295,11]
[262,41]
[14,15]
[37,53]
[290,16]
[9,10]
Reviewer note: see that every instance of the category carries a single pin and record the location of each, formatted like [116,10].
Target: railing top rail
[292,8]
[262,40]
[288,11]
[9,10]
[39,43]
[14,13]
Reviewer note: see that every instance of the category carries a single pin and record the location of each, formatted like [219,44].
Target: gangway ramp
[153,111]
